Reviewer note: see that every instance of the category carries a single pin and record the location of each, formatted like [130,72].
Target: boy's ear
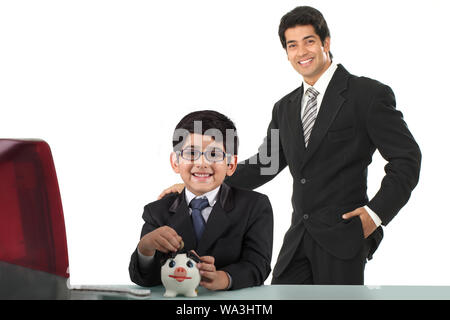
[232,165]
[174,162]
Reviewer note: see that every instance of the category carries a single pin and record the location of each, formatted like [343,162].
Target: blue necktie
[197,206]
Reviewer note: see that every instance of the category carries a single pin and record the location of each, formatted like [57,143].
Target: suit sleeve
[151,276]
[264,165]
[254,266]
[391,136]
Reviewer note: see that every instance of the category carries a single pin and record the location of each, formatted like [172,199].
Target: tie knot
[199,204]
[312,93]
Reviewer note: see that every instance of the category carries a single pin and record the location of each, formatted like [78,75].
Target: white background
[105,83]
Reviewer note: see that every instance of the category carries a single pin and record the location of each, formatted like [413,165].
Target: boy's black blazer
[238,234]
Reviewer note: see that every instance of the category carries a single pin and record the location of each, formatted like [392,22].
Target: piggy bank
[179,275]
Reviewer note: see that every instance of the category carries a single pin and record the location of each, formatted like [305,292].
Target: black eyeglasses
[211,155]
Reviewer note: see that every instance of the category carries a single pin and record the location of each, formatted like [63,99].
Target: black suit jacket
[238,234]
[356,117]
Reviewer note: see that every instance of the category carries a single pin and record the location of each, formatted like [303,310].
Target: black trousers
[313,265]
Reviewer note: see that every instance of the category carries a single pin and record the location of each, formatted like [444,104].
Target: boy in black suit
[230,229]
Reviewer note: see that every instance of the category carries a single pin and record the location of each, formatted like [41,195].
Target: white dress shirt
[321,86]
[211,196]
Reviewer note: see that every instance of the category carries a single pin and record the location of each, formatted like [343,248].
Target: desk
[288,292]
[22,283]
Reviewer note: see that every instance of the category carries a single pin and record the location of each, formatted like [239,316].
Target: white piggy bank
[180,275]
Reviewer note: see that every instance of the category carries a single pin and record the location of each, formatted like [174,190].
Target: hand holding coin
[164,239]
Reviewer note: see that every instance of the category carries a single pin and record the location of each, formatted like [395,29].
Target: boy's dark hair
[302,16]
[208,122]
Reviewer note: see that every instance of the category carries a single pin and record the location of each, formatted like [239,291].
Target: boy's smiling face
[201,176]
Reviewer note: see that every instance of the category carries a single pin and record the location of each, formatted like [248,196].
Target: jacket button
[303,181]
[305,216]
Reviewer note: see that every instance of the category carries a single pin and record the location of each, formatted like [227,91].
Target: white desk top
[290,292]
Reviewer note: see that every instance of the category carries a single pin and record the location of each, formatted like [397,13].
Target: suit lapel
[218,221]
[295,123]
[181,221]
[331,104]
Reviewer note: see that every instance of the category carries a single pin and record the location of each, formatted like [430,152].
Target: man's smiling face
[306,52]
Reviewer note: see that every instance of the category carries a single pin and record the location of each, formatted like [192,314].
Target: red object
[32,230]
[179,274]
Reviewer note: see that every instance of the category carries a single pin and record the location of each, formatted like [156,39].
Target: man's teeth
[305,61]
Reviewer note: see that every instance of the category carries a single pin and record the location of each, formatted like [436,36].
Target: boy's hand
[175,188]
[163,239]
[211,278]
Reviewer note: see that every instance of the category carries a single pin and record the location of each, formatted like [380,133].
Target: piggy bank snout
[180,272]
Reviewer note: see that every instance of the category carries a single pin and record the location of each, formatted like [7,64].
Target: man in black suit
[326,132]
[232,232]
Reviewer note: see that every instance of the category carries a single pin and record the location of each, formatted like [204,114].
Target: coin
[181,246]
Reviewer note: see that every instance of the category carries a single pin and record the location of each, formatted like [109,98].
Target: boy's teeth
[201,174]
[306,61]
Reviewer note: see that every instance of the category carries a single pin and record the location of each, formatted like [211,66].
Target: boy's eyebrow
[201,147]
[192,146]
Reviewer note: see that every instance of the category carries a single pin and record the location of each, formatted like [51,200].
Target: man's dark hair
[303,16]
[208,122]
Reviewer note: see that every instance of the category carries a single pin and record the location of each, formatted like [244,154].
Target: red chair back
[32,229]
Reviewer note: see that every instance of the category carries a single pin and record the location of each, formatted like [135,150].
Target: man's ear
[326,45]
[232,165]
[174,157]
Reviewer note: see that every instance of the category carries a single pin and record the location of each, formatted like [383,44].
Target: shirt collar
[210,195]
[322,83]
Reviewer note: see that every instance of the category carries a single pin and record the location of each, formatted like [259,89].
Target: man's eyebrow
[304,38]
[310,36]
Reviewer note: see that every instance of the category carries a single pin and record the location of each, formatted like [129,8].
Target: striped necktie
[310,115]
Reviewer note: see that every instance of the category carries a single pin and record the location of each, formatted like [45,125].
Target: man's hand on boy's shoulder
[163,239]
[175,188]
